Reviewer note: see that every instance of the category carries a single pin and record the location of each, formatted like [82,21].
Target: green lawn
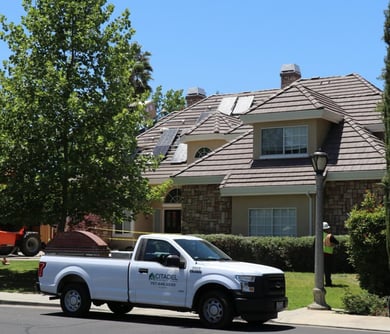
[20,276]
[300,286]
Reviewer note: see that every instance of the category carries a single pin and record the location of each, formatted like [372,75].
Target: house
[241,163]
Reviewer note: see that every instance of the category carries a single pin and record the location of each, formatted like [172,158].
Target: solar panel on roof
[243,104]
[180,155]
[165,141]
[227,104]
[202,116]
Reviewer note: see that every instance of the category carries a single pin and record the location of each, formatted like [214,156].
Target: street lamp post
[319,161]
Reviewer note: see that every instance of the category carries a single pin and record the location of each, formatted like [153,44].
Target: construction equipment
[29,243]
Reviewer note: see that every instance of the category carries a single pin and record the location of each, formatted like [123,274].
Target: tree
[367,245]
[386,117]
[172,100]
[70,112]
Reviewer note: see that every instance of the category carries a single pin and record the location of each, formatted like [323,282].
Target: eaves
[201,180]
[269,190]
[329,115]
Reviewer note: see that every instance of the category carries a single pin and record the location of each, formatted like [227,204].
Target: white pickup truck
[176,272]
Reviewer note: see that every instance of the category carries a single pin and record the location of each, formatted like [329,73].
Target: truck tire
[31,244]
[75,300]
[215,310]
[119,307]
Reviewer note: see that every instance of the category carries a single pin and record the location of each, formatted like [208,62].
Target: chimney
[194,95]
[289,73]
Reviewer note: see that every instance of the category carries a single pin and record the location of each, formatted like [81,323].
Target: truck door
[152,281]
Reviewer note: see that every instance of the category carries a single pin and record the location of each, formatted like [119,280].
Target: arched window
[202,152]
[174,196]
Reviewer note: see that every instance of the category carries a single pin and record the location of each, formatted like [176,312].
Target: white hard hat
[325,226]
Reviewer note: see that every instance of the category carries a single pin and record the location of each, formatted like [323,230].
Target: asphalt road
[41,320]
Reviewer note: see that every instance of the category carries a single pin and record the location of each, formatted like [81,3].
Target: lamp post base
[319,300]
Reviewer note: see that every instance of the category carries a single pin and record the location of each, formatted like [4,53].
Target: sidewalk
[301,316]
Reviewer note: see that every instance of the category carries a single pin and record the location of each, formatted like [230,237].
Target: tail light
[42,266]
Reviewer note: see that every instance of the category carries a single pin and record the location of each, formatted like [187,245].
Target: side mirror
[174,261]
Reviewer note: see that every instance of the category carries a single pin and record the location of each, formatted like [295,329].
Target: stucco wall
[241,206]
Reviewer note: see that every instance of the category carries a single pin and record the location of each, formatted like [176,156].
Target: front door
[172,221]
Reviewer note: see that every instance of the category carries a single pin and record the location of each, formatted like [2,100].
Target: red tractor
[29,243]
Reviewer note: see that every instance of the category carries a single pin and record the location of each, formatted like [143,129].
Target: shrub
[365,304]
[367,246]
[287,253]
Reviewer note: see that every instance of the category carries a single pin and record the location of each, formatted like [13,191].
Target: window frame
[273,226]
[284,144]
[201,152]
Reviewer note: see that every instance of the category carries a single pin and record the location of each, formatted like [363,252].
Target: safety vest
[328,247]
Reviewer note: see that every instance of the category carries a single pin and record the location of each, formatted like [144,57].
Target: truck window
[202,250]
[158,250]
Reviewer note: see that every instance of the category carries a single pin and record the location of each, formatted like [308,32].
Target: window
[202,152]
[273,222]
[174,196]
[125,227]
[284,141]
[157,250]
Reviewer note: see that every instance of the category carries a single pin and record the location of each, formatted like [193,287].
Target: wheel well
[70,279]
[206,288]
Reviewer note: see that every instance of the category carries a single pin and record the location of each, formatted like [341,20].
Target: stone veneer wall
[341,196]
[204,211]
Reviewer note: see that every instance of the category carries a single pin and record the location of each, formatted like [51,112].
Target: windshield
[202,250]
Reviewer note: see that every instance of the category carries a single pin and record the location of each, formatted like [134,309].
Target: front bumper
[266,305]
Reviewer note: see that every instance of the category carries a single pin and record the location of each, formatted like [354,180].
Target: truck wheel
[119,307]
[75,300]
[214,310]
[31,245]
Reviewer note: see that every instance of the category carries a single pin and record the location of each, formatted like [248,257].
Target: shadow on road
[237,325]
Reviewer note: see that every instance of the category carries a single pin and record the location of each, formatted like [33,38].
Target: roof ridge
[307,93]
[366,135]
[366,83]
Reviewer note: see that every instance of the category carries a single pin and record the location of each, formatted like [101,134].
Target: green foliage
[367,246]
[286,253]
[172,100]
[70,98]
[365,304]
[385,108]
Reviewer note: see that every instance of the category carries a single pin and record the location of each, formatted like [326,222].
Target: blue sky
[229,46]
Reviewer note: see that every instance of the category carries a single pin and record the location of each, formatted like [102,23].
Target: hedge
[287,253]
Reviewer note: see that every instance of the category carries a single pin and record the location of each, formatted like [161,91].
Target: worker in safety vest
[329,242]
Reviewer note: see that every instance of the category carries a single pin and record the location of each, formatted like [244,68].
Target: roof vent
[289,73]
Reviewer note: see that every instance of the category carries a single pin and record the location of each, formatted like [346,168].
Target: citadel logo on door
[162,280]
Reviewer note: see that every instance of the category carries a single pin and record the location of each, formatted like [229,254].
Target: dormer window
[284,141]
[202,152]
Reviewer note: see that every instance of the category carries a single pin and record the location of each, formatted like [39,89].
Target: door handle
[143,270]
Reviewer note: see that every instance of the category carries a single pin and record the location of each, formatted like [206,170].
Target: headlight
[247,282]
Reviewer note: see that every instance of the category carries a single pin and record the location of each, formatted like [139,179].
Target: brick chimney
[194,95]
[289,73]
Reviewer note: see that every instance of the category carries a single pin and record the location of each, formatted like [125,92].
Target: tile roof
[185,121]
[215,122]
[351,147]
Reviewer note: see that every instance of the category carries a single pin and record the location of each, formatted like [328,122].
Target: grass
[20,276]
[300,286]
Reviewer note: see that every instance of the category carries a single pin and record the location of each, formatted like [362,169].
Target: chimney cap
[196,91]
[290,68]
